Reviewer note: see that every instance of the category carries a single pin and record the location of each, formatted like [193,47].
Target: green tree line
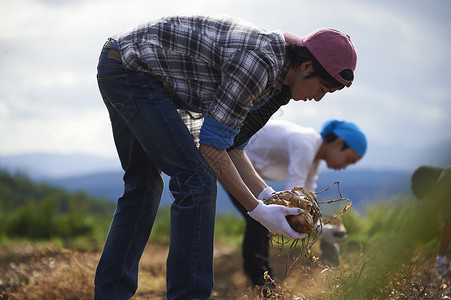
[35,211]
[39,212]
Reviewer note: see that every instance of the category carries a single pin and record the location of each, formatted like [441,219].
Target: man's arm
[273,217]
[247,171]
[301,154]
[228,175]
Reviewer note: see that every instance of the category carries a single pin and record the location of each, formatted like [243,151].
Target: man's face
[304,88]
[338,159]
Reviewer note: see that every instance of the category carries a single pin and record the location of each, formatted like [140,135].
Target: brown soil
[33,272]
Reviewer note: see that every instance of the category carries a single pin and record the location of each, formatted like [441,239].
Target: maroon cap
[333,49]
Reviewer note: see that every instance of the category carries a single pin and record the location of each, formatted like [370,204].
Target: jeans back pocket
[116,90]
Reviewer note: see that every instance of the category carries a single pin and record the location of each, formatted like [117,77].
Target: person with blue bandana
[234,75]
[286,152]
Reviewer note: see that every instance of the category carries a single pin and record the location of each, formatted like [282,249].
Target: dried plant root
[310,215]
[305,200]
[309,221]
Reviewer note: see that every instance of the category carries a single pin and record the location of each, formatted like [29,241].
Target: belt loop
[114,43]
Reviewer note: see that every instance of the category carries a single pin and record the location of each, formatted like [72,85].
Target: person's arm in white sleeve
[301,159]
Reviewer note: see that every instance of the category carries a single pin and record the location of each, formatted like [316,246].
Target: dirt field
[33,272]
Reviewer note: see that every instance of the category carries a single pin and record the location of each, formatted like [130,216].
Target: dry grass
[47,273]
[34,272]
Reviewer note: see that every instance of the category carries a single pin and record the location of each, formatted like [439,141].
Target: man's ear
[306,66]
[339,142]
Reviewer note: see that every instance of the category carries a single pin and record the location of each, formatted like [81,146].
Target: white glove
[266,193]
[442,266]
[273,217]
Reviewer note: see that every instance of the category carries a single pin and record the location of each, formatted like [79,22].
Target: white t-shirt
[285,151]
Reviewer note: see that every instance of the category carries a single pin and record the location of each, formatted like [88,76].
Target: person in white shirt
[287,152]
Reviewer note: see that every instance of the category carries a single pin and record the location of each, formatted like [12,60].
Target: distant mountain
[361,187]
[365,187]
[48,165]
[103,178]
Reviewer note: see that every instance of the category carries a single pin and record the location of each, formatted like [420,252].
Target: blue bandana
[353,136]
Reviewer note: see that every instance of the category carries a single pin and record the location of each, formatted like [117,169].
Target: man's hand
[273,217]
[266,193]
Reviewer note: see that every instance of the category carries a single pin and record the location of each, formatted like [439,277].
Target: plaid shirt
[193,122]
[220,67]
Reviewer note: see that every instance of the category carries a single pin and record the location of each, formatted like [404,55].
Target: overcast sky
[400,97]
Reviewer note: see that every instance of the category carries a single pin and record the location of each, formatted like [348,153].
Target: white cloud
[49,51]
[69,132]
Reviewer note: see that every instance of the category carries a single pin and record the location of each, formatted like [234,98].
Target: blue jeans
[330,253]
[151,138]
